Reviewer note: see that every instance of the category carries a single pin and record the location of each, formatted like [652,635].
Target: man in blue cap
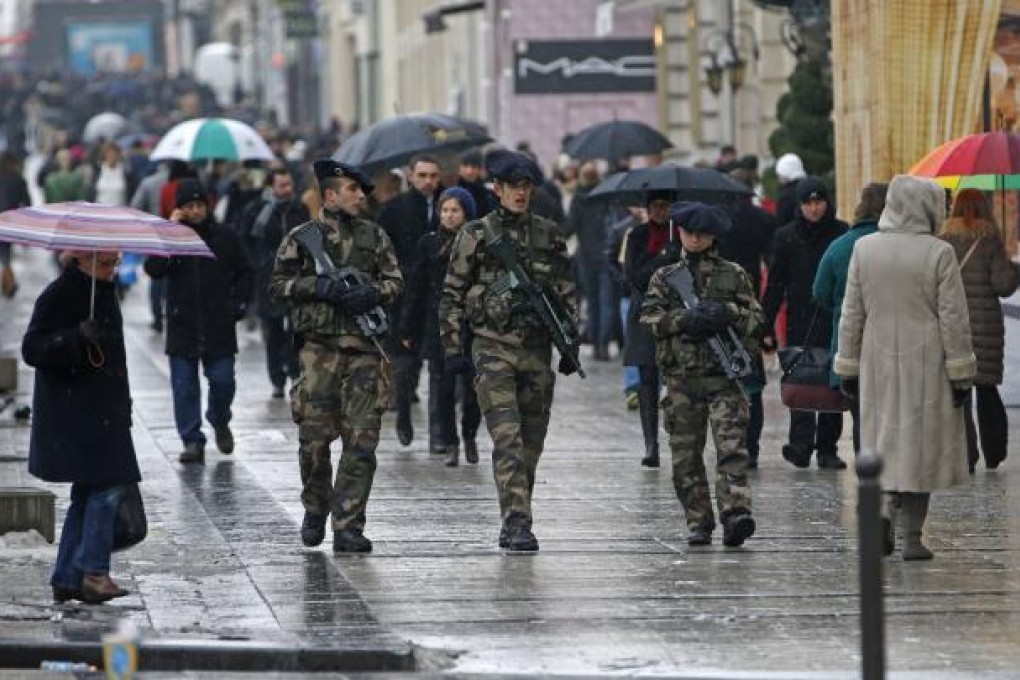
[511,347]
[341,389]
[698,392]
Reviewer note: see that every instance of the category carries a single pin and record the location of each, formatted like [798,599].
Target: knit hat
[789,167]
[188,190]
[811,189]
[462,196]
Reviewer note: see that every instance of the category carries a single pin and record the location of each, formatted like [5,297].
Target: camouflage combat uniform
[511,349]
[340,392]
[698,392]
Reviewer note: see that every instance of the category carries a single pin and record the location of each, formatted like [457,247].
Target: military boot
[520,539]
[915,510]
[890,509]
[737,528]
[648,407]
[313,529]
[352,541]
[699,536]
[504,536]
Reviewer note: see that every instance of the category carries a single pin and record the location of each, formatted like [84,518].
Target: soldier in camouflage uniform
[698,391]
[511,348]
[340,392]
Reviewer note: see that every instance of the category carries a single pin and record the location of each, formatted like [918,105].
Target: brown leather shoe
[98,588]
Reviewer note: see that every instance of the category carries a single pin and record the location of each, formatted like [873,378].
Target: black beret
[811,188]
[327,167]
[510,166]
[188,190]
[700,218]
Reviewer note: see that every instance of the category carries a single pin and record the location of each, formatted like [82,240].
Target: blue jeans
[631,377]
[86,541]
[598,292]
[188,394]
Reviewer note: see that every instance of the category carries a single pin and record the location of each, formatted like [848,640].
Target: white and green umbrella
[204,139]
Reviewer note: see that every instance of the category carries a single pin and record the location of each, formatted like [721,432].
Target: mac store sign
[570,66]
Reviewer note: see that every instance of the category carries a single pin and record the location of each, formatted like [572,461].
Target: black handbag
[805,382]
[130,526]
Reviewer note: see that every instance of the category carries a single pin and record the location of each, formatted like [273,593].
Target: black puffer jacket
[205,297]
[639,265]
[262,227]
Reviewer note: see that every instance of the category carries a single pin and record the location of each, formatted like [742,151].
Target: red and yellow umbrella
[988,161]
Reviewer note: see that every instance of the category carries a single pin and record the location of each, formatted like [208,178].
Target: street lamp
[720,46]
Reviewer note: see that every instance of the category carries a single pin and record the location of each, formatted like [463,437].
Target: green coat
[830,279]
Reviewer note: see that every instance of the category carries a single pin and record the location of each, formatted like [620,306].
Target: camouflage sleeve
[660,312]
[287,282]
[745,313]
[390,282]
[460,275]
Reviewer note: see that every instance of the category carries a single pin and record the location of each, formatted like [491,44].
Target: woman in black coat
[419,328]
[648,248]
[81,427]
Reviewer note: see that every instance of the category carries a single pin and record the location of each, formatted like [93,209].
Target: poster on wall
[109,47]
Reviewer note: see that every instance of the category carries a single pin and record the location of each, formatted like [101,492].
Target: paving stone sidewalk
[614,589]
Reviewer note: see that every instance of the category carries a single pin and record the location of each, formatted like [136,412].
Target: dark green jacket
[830,279]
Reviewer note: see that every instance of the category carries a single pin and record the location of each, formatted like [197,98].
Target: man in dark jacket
[262,226]
[205,299]
[797,250]
[471,177]
[589,221]
[406,219]
[13,195]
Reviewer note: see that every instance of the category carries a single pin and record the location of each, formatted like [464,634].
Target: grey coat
[988,275]
[904,333]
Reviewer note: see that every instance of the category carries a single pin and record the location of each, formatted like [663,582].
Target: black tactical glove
[328,290]
[961,392]
[566,366]
[850,388]
[90,331]
[359,299]
[715,314]
[457,363]
[703,321]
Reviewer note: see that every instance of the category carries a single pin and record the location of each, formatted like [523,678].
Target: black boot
[648,407]
[737,528]
[313,529]
[799,456]
[351,540]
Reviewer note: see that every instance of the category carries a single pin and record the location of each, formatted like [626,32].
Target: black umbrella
[687,184]
[615,140]
[392,142]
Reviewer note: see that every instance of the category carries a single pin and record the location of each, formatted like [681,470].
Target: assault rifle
[728,349]
[540,298]
[374,323]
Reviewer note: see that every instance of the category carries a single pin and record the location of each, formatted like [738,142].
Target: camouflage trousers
[515,392]
[693,404]
[337,395]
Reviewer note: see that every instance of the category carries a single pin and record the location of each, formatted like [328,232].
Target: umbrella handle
[92,297]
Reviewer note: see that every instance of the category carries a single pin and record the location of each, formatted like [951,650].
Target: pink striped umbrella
[96,227]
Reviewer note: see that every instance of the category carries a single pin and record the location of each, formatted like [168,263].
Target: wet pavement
[223,581]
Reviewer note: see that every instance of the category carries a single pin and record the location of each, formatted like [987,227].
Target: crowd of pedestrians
[778,273]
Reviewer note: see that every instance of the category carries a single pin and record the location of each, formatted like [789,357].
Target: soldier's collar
[335,220]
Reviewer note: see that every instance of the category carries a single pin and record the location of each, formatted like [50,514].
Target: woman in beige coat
[988,274]
[905,336]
